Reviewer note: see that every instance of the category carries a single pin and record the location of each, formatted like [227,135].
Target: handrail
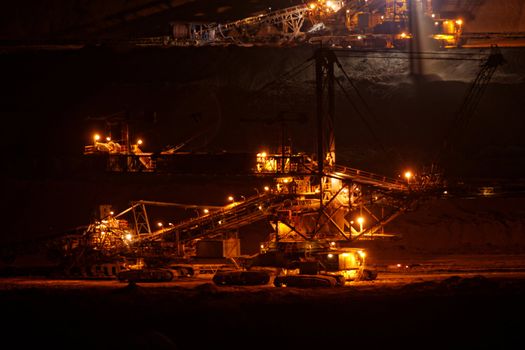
[368,177]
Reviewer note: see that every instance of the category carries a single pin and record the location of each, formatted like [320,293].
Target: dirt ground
[420,306]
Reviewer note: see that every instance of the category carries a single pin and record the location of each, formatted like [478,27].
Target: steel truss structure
[290,20]
[313,205]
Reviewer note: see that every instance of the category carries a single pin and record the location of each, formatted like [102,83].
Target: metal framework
[290,19]
[140,217]
[314,203]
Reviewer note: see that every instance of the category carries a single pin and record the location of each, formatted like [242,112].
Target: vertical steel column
[331,109]
[283,142]
[324,69]
[319,89]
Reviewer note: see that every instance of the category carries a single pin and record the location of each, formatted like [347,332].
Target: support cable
[361,116]
[288,75]
[358,93]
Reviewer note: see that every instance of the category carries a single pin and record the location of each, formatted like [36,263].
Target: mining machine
[349,24]
[317,208]
[283,25]
[312,220]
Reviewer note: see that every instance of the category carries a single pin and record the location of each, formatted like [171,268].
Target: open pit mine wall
[459,226]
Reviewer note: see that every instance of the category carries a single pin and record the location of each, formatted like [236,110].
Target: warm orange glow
[230,198]
[449,38]
[360,220]
[330,256]
[159,224]
[361,253]
[139,142]
[403,35]
[334,6]
[408,175]
[266,188]
[206,211]
[96,137]
[111,213]
[129,236]
[459,22]
[312,6]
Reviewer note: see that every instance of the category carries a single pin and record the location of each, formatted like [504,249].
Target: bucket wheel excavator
[317,208]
